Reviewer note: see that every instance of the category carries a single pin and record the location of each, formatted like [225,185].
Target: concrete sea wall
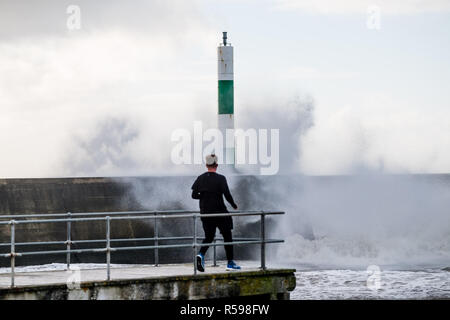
[269,284]
[61,195]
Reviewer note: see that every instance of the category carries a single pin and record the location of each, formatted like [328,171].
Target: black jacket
[210,188]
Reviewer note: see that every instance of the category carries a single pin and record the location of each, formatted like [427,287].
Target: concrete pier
[147,282]
[137,278]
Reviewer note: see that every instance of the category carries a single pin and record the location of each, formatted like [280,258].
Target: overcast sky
[103,99]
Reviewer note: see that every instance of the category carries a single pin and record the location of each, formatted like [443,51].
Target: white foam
[58,267]
[351,284]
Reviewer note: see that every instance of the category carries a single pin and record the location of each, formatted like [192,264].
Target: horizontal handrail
[174,216]
[112,240]
[76,214]
[164,246]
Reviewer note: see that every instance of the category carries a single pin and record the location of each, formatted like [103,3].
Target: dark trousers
[209,226]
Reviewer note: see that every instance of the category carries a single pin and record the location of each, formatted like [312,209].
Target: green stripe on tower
[226,97]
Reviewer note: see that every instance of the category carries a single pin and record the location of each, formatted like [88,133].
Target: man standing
[209,188]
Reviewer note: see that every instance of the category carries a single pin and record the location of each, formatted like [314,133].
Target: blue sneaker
[232,266]
[201,262]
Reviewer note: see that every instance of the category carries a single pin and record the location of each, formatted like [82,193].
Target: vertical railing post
[108,249]
[194,244]
[13,250]
[215,254]
[156,236]
[263,242]
[69,239]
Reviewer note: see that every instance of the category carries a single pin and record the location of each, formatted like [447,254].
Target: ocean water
[370,237]
[351,266]
[429,283]
[369,266]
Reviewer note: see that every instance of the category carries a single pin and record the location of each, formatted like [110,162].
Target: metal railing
[108,217]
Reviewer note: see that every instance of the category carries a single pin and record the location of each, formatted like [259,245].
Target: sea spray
[371,219]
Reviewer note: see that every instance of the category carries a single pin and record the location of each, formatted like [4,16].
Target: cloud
[394,7]
[27,18]
[135,70]
[313,73]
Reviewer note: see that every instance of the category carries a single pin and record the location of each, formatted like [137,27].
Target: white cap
[211,159]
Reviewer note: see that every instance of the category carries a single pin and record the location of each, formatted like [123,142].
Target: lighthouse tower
[226,100]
